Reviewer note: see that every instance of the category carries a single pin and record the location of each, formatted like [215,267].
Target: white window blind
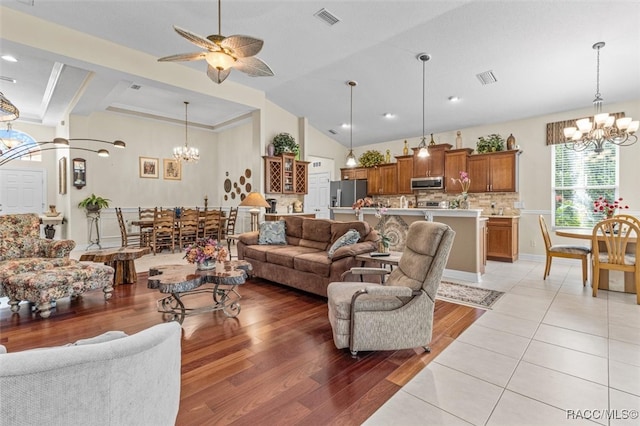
[579,178]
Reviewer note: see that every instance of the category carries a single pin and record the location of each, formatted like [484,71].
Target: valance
[555,131]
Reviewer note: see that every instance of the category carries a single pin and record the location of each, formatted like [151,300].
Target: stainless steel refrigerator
[345,192]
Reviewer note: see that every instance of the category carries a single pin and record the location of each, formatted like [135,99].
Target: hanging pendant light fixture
[351,159]
[186,153]
[424,151]
[602,129]
[8,111]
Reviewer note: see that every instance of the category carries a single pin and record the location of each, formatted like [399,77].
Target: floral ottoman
[44,286]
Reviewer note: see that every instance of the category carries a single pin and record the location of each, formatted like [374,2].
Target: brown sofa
[303,262]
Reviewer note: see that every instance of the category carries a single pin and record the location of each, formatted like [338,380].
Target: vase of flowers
[385,240]
[205,253]
[601,205]
[360,203]
[465,183]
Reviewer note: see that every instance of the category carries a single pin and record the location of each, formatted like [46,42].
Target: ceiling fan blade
[197,40]
[253,66]
[216,75]
[184,57]
[243,46]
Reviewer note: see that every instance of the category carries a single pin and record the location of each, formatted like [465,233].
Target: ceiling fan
[224,53]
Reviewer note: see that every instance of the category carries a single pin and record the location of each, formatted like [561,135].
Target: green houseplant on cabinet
[285,143]
[93,203]
[490,143]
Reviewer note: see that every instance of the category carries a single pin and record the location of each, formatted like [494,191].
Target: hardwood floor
[274,364]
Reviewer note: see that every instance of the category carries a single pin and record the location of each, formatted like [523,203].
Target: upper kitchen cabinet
[381,179]
[494,172]
[433,165]
[455,161]
[405,173]
[353,173]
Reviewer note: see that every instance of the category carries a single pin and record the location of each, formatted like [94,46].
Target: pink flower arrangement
[464,180]
[206,249]
[601,205]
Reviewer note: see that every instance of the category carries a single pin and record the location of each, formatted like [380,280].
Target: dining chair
[211,226]
[125,236]
[611,239]
[564,251]
[230,228]
[163,235]
[146,214]
[188,227]
[630,218]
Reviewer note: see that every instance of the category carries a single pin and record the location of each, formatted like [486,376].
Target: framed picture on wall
[148,167]
[79,172]
[62,176]
[172,169]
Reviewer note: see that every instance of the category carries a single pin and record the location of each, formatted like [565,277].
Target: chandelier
[351,159]
[8,111]
[186,153]
[423,150]
[604,127]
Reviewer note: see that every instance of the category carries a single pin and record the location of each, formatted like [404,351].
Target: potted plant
[490,143]
[371,158]
[94,203]
[283,143]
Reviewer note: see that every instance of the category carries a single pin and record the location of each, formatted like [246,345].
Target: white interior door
[317,199]
[22,191]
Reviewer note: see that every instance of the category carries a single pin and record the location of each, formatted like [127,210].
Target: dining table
[604,283]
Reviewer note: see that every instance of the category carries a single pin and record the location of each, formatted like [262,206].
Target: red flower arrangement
[601,205]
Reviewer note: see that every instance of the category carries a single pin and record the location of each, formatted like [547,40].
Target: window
[580,178]
[15,144]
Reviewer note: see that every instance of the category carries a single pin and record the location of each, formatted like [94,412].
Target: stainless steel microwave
[428,182]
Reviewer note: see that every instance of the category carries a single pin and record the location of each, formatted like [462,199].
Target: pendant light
[424,151]
[186,153]
[351,159]
[604,127]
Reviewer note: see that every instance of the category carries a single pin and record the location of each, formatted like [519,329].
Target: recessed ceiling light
[345,125]
[388,115]
[9,79]
[9,58]
[454,98]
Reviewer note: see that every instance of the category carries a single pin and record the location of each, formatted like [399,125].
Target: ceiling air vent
[333,132]
[486,77]
[135,87]
[326,16]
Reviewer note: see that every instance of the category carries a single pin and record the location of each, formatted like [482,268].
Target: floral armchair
[22,249]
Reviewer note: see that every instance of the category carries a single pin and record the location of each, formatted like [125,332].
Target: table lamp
[256,200]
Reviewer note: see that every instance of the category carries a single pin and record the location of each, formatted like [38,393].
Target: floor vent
[327,17]
[486,77]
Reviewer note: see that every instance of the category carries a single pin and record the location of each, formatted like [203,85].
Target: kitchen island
[468,253]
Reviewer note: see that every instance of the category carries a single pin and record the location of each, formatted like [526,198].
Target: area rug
[468,295]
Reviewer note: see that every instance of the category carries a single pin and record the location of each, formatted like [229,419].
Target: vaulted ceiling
[539,52]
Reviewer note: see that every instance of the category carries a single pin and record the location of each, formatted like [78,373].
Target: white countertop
[415,212]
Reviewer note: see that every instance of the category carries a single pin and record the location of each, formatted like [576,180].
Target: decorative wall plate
[238,190]
[242,196]
[248,187]
[227,185]
[226,197]
[233,195]
[241,180]
[247,173]
[235,184]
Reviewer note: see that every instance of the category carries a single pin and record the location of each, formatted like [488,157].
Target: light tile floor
[547,347]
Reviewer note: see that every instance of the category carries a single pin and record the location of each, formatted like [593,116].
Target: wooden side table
[121,259]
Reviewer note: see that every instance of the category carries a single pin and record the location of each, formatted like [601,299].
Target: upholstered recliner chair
[397,314]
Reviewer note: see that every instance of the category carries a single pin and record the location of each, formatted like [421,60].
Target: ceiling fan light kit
[224,53]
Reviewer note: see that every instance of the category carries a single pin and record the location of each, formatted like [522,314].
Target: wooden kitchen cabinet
[455,161]
[494,172]
[381,179]
[502,238]
[285,175]
[433,165]
[353,173]
[404,165]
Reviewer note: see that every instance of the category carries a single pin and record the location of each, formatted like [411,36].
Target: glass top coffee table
[180,281]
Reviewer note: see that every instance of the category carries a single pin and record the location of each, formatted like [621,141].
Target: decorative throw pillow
[350,237]
[272,233]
